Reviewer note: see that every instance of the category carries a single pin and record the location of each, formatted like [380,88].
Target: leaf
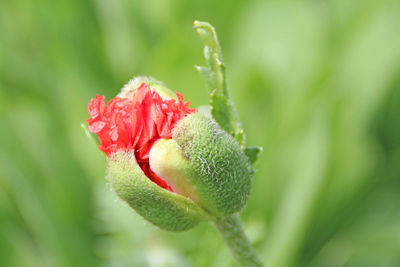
[222,108]
[253,153]
[92,137]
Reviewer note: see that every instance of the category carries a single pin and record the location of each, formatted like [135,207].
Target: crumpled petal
[135,123]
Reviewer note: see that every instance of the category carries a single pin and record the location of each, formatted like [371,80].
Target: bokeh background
[317,84]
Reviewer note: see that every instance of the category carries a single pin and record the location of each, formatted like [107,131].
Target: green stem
[235,238]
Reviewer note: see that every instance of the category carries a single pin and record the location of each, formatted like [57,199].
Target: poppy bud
[175,166]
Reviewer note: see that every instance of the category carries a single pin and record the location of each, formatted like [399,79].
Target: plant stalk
[235,238]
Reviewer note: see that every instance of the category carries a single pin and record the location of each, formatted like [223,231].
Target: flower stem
[235,238]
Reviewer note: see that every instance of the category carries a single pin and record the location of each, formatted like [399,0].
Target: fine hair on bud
[222,171]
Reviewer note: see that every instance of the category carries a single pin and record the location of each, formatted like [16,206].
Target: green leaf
[253,153]
[222,108]
[92,137]
[208,75]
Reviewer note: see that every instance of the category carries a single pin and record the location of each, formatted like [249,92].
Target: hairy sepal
[130,88]
[221,171]
[163,208]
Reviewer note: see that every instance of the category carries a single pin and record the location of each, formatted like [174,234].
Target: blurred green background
[317,84]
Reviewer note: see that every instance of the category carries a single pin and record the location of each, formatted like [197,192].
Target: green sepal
[221,171]
[130,88]
[253,153]
[159,206]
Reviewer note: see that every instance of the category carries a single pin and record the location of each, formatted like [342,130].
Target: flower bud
[175,166]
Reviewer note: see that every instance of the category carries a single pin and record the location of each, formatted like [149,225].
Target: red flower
[135,123]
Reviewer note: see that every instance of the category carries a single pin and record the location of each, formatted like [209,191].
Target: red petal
[136,123]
